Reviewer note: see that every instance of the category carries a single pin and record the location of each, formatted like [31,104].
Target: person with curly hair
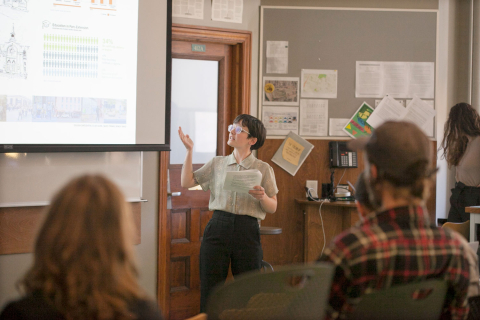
[461,149]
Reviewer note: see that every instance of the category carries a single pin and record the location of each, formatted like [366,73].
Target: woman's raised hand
[187,142]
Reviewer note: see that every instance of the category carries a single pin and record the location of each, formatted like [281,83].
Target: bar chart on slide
[93,4]
[70,56]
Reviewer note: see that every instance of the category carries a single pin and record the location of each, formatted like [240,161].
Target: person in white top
[461,149]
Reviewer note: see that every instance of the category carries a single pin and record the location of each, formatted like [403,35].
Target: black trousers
[462,196]
[228,238]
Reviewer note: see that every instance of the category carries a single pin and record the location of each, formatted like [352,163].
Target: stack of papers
[417,112]
[242,181]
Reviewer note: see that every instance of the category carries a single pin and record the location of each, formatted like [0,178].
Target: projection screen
[84,75]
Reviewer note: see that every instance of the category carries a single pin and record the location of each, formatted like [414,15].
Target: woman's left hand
[258,192]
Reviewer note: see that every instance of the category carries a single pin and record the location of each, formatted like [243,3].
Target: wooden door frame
[239,103]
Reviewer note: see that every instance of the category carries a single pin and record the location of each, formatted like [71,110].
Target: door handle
[173,194]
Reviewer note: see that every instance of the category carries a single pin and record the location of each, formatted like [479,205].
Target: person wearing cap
[232,236]
[366,208]
[461,149]
[398,243]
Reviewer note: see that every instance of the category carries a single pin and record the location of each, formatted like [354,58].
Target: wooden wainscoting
[19,225]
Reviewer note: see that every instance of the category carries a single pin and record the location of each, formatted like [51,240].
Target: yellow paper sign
[292,151]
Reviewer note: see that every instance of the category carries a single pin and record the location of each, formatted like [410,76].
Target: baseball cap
[400,150]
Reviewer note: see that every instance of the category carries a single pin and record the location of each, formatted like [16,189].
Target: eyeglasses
[238,129]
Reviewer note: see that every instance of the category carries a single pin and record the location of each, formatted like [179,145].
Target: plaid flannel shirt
[394,247]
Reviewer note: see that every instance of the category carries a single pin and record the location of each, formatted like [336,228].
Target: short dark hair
[255,127]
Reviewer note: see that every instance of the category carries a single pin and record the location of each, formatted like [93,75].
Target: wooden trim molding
[241,41]
[184,32]
[19,225]
[163,256]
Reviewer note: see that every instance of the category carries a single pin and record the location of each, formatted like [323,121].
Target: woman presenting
[233,233]
[461,148]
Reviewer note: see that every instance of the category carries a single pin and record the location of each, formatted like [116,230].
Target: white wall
[443,92]
[452,83]
[147,250]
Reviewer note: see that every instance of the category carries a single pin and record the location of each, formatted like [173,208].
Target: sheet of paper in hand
[242,181]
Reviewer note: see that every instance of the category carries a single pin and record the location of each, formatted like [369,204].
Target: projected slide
[68,71]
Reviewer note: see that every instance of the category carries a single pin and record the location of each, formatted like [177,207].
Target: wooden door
[189,215]
[181,225]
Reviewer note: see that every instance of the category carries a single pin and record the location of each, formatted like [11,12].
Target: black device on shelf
[341,156]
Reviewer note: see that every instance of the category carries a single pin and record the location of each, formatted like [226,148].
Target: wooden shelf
[327,223]
[473,209]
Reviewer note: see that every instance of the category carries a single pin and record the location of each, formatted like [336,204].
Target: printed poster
[277,57]
[280,120]
[292,151]
[319,83]
[313,117]
[357,126]
[280,91]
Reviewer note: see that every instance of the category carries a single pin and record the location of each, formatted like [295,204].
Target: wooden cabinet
[323,222]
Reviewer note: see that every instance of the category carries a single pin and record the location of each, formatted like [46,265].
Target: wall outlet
[313,186]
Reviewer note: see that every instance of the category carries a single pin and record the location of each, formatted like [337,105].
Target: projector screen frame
[25,148]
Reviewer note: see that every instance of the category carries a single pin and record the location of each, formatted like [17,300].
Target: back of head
[84,260]
[463,122]
[402,155]
[463,118]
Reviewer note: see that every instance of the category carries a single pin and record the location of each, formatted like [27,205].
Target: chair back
[463,228]
[200,316]
[415,301]
[291,292]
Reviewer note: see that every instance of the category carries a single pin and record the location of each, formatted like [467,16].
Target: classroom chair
[414,301]
[290,292]
[463,228]
[200,316]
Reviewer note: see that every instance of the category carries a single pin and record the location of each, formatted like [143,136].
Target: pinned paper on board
[292,151]
[357,126]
